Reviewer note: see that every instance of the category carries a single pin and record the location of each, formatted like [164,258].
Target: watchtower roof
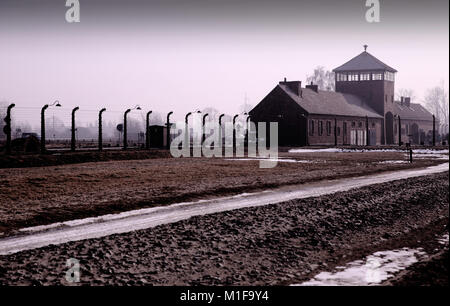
[364,62]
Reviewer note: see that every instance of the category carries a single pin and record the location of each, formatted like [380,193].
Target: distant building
[362,111]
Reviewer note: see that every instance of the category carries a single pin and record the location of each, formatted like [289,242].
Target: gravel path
[276,244]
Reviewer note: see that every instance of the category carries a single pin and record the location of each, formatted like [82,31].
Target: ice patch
[375,269]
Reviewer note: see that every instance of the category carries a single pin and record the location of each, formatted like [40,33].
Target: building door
[389,128]
[372,137]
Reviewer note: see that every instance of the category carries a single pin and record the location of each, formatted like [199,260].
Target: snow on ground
[339,150]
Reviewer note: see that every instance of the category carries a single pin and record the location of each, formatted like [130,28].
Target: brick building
[362,110]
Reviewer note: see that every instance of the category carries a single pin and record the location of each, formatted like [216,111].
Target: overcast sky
[184,55]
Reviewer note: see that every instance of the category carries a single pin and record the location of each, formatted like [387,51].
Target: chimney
[407,101]
[313,87]
[294,86]
[401,101]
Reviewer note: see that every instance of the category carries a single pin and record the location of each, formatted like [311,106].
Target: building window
[395,128]
[353,123]
[328,128]
[320,128]
[311,127]
[353,77]
[407,128]
[344,128]
[359,124]
[392,98]
[373,124]
[338,131]
[377,76]
[364,77]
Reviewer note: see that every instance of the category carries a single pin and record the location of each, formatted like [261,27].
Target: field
[42,195]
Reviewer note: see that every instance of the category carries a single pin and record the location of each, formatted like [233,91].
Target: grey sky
[186,55]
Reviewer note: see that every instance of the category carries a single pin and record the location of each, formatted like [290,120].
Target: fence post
[125,138]
[7,128]
[147,130]
[72,140]
[100,130]
[434,130]
[168,131]
[234,133]
[43,128]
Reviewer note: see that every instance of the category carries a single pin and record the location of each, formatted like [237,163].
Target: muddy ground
[277,244]
[44,195]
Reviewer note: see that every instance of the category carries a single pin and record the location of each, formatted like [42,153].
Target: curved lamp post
[7,128]
[168,130]
[147,130]
[125,138]
[100,129]
[72,140]
[57,104]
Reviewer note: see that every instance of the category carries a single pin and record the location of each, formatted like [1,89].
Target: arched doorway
[389,127]
[415,133]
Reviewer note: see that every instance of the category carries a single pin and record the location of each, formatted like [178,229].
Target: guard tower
[374,82]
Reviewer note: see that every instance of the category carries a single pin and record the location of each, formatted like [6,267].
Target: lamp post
[72,140]
[57,104]
[399,130]
[7,128]
[168,130]
[125,137]
[247,130]
[147,130]
[100,132]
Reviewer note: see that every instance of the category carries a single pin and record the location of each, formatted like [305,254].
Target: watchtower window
[377,76]
[365,77]
[341,77]
[353,77]
[389,76]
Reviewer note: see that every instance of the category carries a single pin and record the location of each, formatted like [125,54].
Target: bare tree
[323,78]
[212,113]
[245,107]
[436,100]
[406,92]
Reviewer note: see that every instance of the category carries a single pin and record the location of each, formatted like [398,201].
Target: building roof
[364,62]
[330,103]
[414,111]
